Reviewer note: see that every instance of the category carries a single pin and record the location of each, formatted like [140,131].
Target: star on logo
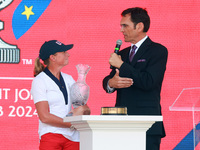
[28,12]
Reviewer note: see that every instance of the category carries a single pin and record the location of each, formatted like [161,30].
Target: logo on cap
[59,43]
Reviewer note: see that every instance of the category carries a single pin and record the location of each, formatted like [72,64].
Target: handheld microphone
[117,47]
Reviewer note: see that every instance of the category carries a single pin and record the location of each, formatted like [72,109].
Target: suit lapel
[141,50]
[125,54]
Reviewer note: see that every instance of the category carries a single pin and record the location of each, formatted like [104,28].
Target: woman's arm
[45,116]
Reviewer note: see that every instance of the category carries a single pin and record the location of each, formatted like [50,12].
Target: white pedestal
[112,132]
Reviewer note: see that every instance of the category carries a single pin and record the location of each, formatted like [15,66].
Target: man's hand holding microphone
[116,61]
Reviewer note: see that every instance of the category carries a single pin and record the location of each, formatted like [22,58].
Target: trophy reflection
[80,90]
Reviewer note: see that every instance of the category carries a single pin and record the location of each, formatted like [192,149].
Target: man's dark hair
[138,15]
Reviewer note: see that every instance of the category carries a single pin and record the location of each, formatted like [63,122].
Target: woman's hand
[81,110]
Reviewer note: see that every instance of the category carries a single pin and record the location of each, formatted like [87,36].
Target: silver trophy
[80,90]
[8,53]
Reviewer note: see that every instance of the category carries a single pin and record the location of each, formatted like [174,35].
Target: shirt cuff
[110,89]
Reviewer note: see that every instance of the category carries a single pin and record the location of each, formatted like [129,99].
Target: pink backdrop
[93,27]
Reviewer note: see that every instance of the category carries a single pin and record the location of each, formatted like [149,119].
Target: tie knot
[134,48]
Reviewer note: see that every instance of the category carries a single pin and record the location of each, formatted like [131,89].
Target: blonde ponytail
[39,67]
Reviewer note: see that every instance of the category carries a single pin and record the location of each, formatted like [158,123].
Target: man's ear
[140,27]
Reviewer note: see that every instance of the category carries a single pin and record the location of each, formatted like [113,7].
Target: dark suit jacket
[147,71]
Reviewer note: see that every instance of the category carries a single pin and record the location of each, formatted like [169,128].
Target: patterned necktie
[132,53]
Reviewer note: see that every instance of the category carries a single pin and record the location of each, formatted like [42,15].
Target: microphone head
[119,42]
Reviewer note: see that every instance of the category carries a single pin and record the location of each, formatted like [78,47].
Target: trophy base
[113,110]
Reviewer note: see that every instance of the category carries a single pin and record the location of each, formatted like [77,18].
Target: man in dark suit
[138,80]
